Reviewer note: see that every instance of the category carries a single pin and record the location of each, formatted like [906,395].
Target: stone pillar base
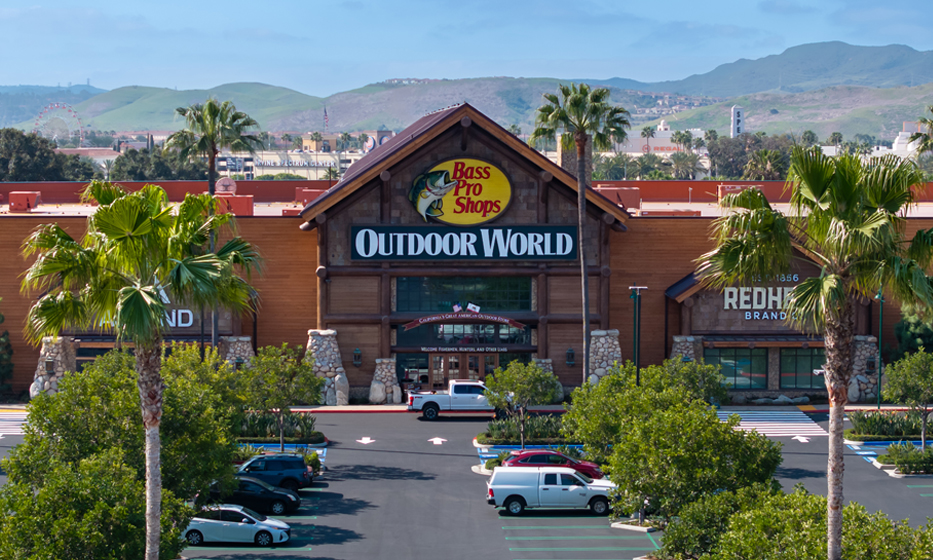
[605,352]
[548,366]
[61,350]
[232,348]
[688,347]
[323,348]
[385,388]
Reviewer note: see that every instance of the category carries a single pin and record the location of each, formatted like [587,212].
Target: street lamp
[636,338]
[880,298]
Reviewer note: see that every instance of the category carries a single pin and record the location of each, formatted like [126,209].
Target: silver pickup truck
[460,396]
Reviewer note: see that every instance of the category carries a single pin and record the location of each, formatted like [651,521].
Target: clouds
[784,7]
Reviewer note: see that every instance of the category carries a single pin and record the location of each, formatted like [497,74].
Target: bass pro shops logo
[461,192]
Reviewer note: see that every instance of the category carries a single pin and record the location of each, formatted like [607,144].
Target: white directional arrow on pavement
[437,441]
[801,439]
[366,440]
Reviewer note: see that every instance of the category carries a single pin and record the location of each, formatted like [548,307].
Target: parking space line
[580,549]
[654,542]
[920,485]
[926,495]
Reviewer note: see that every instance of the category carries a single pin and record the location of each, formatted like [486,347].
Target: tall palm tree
[362,140]
[685,165]
[577,113]
[849,217]
[924,137]
[647,133]
[345,139]
[835,139]
[136,248]
[209,128]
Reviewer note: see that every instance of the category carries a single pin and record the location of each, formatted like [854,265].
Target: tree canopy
[30,157]
[519,386]
[910,381]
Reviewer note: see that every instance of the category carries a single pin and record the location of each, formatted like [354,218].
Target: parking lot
[401,487]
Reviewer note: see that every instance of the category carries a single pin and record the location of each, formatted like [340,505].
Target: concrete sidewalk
[390,408]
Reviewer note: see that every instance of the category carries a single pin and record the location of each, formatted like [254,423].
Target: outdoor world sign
[461,192]
[372,243]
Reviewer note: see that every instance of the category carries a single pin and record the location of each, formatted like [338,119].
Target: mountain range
[821,86]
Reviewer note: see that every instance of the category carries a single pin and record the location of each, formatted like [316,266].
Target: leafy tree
[913,332]
[155,165]
[850,216]
[279,377]
[809,138]
[835,139]
[6,358]
[677,455]
[518,387]
[136,244]
[910,381]
[924,136]
[578,113]
[92,508]
[765,165]
[209,128]
[29,157]
[793,527]
[696,531]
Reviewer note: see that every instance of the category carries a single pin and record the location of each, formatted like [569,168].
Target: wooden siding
[564,296]
[366,338]
[354,294]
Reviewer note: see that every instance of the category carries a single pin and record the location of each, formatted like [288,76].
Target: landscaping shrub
[298,425]
[893,424]
[245,452]
[497,461]
[908,459]
[542,429]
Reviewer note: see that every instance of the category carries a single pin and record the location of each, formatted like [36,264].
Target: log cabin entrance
[462,365]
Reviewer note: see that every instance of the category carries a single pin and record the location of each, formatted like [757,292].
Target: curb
[630,527]
[375,409]
[480,469]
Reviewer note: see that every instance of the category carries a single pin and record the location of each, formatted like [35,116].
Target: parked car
[233,523]
[551,458]
[287,470]
[257,495]
[460,396]
[518,488]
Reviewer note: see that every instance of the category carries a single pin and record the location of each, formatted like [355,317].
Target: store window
[744,368]
[440,294]
[797,365]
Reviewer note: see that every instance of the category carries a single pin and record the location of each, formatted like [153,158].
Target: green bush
[257,424]
[497,461]
[311,458]
[893,424]
[908,459]
[542,429]
[246,452]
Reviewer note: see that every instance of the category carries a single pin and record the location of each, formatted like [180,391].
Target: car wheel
[277,507]
[599,506]
[430,412]
[290,485]
[514,506]
[194,538]
[264,538]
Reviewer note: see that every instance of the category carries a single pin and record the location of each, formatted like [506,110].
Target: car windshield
[265,485]
[585,478]
[258,516]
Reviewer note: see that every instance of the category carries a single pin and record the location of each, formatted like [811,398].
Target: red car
[549,458]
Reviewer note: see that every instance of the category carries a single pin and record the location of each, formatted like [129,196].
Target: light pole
[636,337]
[880,298]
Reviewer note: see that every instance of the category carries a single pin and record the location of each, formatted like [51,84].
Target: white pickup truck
[517,488]
[461,396]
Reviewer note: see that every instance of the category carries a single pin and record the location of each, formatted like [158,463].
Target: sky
[321,48]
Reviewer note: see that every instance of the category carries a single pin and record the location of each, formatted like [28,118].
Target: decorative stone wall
[385,388]
[863,383]
[323,347]
[233,347]
[62,351]
[548,366]
[687,347]
[604,352]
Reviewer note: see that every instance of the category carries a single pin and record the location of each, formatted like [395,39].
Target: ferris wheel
[59,122]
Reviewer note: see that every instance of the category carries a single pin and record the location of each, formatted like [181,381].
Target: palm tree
[345,139]
[765,165]
[577,113]
[210,128]
[648,163]
[849,217]
[362,140]
[137,247]
[685,165]
[835,139]
[611,168]
[647,133]
[925,138]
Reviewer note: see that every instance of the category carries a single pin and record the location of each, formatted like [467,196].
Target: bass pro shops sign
[461,192]
[525,243]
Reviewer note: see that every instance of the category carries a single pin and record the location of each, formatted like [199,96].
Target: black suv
[287,470]
[257,495]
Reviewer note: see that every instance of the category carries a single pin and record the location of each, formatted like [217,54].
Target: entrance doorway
[465,365]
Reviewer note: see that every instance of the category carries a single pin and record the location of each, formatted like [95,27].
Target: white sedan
[232,523]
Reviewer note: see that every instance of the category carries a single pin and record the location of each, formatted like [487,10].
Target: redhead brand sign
[517,243]
[461,192]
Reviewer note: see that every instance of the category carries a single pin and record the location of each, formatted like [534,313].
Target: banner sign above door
[447,317]
[519,243]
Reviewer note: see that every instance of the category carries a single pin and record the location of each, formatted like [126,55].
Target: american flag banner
[326,120]
[457,308]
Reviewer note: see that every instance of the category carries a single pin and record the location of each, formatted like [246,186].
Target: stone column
[322,346]
[61,349]
[604,353]
[863,383]
[233,347]
[385,388]
[687,347]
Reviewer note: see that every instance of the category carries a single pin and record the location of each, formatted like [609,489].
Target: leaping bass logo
[461,192]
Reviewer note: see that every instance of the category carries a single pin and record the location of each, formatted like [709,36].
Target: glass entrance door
[445,367]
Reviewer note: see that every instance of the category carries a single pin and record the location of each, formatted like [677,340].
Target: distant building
[738,115]
[661,144]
